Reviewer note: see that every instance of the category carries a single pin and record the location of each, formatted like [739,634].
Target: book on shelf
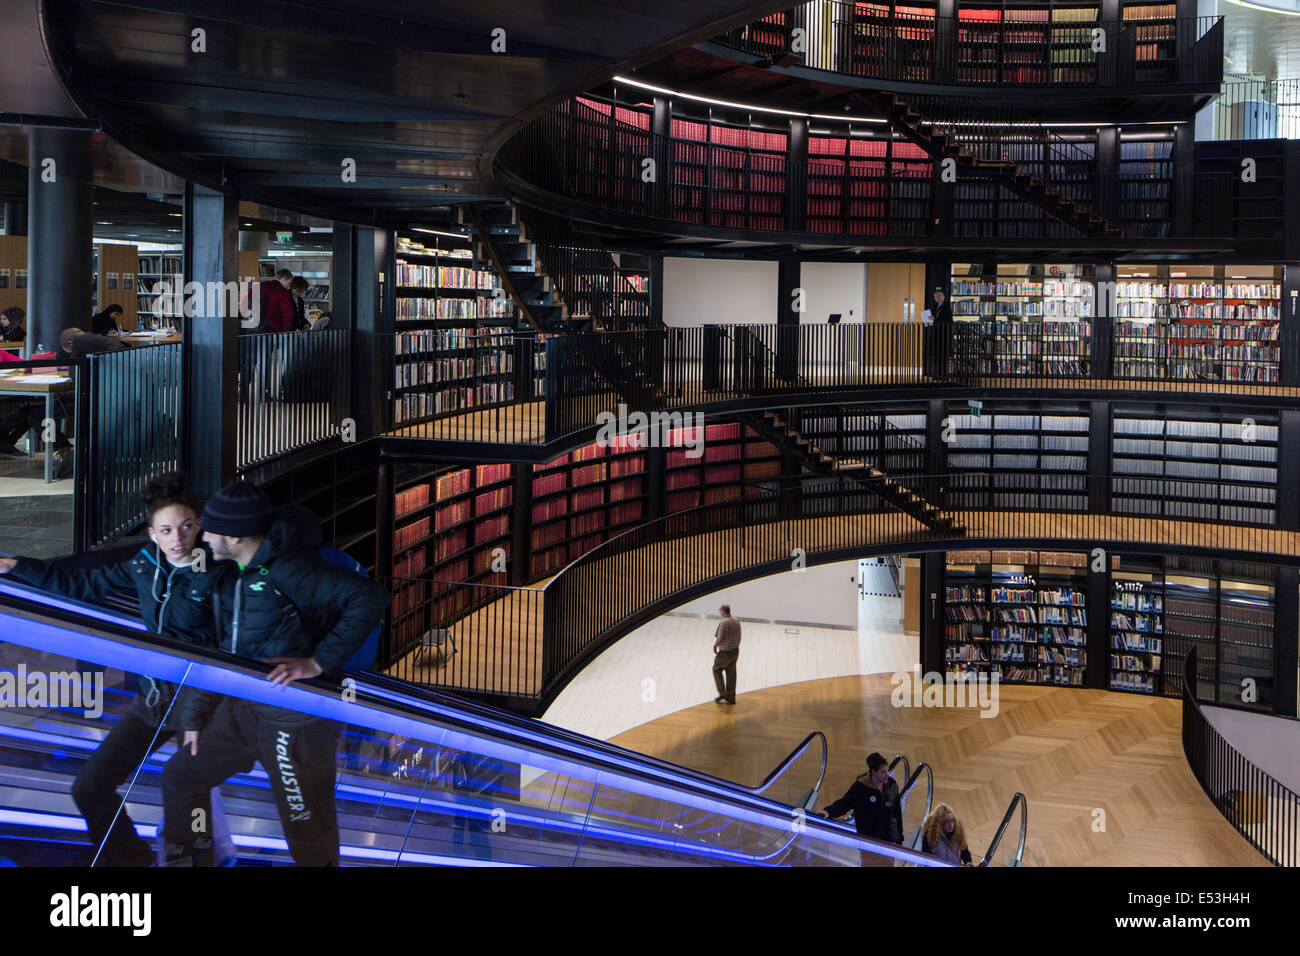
[412,499]
[452,514]
[407,535]
[453,484]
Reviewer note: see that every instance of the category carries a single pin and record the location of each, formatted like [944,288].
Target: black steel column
[1097,634]
[1288,470]
[932,598]
[656,482]
[373,306]
[210,347]
[1291,201]
[796,177]
[945,41]
[661,131]
[345,264]
[60,234]
[1184,172]
[1099,458]
[521,525]
[1289,327]
[1286,618]
[15,219]
[787,319]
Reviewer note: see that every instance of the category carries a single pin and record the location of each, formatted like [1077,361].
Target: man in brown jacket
[726,649]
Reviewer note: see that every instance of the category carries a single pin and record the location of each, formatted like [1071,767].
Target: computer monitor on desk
[834,318]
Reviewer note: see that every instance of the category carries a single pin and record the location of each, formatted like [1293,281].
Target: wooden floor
[1071,751]
[499,647]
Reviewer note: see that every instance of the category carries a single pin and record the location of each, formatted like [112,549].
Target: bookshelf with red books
[582,499]
[733,457]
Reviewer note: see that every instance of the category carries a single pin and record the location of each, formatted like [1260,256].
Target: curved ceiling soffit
[748,14]
[58,48]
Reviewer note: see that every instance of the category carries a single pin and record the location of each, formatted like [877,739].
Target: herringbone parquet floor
[1104,773]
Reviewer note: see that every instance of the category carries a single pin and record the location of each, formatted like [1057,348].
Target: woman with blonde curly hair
[942,835]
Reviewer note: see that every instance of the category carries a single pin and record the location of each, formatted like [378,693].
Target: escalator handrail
[911,782]
[907,766]
[1017,801]
[93,634]
[794,755]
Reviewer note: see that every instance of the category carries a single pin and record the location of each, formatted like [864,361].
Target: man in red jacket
[277,302]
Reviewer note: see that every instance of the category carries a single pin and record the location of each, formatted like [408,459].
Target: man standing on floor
[726,650]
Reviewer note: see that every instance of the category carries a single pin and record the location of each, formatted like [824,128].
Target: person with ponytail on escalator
[877,809]
[168,577]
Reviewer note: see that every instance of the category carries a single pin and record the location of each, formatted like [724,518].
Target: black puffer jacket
[173,602]
[875,814]
[288,602]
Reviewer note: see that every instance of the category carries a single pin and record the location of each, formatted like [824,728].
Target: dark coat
[173,602]
[875,814]
[288,602]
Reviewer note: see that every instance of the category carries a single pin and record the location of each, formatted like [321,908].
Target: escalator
[423,778]
[1007,848]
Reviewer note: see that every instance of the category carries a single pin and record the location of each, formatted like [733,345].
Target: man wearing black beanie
[277,600]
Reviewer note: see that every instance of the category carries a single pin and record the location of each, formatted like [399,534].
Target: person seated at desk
[79,343]
[105,323]
[11,324]
[24,415]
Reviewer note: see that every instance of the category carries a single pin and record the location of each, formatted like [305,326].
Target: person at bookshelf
[877,809]
[277,303]
[279,601]
[937,334]
[106,322]
[173,596]
[726,651]
[298,289]
[12,327]
[942,835]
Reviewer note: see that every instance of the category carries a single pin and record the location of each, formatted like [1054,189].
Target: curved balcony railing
[520,646]
[1264,811]
[1026,49]
[525,389]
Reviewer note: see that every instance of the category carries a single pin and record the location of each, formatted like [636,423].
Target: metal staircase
[968,139]
[910,496]
[499,237]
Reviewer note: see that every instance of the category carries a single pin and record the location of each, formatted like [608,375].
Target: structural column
[364,301]
[210,345]
[796,178]
[661,130]
[1286,593]
[59,234]
[787,319]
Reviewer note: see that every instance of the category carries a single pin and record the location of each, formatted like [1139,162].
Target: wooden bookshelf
[732,455]
[866,183]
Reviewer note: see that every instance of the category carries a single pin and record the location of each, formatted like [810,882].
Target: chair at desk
[434,643]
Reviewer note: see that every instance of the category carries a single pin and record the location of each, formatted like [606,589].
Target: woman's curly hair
[167,489]
[932,828]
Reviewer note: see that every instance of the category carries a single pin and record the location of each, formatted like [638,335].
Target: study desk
[47,385]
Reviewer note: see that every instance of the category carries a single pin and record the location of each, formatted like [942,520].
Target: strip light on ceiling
[677,94]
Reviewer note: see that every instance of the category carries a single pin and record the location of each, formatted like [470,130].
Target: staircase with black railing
[981,145]
[499,237]
[911,495]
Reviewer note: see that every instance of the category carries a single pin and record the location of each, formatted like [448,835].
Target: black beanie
[239,510]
